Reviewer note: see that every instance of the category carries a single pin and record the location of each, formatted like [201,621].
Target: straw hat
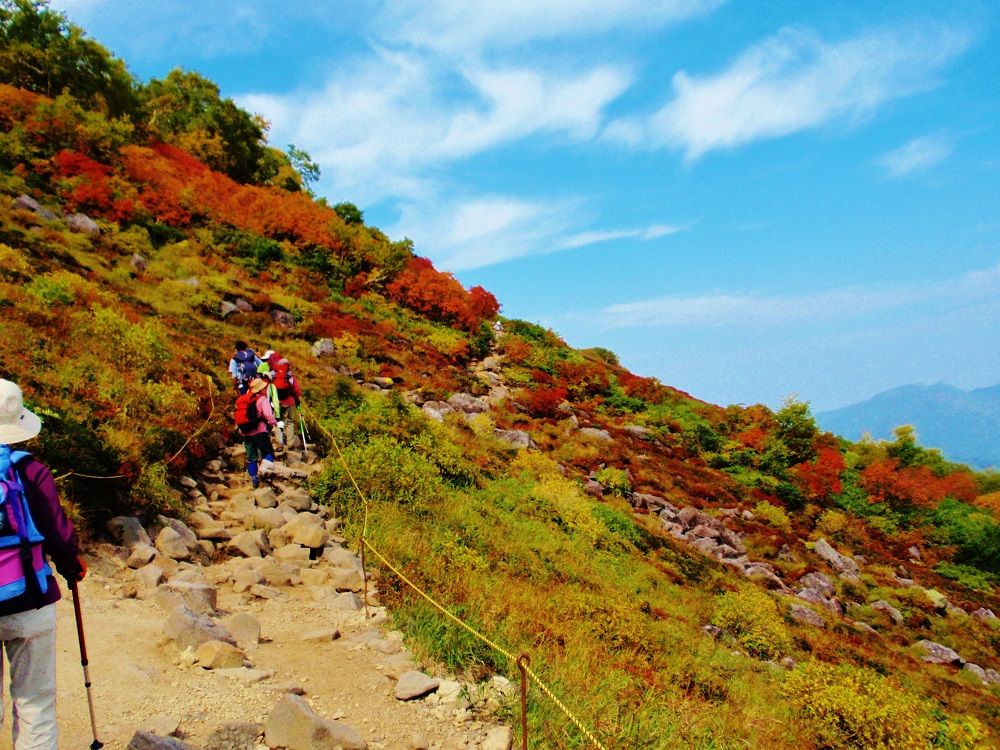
[257,385]
[16,422]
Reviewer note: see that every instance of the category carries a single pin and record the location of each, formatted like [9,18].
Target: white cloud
[468,26]
[916,155]
[582,239]
[791,82]
[479,232]
[724,309]
[397,113]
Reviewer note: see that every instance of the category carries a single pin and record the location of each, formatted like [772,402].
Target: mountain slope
[964,425]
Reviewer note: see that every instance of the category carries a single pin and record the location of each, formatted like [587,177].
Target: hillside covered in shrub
[665,561]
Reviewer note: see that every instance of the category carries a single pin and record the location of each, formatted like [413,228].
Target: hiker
[31,522]
[288,390]
[255,418]
[243,366]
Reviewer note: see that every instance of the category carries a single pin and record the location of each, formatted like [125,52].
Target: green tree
[304,165]
[350,213]
[796,429]
[42,52]
[187,110]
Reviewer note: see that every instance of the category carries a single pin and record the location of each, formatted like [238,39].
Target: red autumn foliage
[754,438]
[886,481]
[820,478]
[440,296]
[544,402]
[585,380]
[649,390]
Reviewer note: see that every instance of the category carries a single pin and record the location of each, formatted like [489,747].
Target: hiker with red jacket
[255,418]
[289,391]
[33,527]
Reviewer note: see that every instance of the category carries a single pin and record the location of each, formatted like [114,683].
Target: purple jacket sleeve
[61,544]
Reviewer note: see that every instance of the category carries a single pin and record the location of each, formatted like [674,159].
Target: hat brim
[26,426]
[258,387]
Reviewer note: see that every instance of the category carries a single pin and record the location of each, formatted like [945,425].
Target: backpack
[22,563]
[247,418]
[246,364]
[283,378]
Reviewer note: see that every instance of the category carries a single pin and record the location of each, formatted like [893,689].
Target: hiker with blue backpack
[33,527]
[254,419]
[243,366]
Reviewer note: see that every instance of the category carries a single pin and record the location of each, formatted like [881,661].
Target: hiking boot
[255,481]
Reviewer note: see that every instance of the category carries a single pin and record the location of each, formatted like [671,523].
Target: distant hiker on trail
[289,392]
[243,366]
[32,523]
[254,418]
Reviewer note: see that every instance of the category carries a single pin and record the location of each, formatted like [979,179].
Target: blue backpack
[246,364]
[22,563]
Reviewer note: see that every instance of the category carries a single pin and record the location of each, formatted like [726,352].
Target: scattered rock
[148,741]
[467,403]
[883,606]
[189,630]
[498,738]
[83,224]
[935,653]
[806,616]
[245,628]
[595,433]
[218,655]
[294,725]
[415,684]
[844,565]
[323,348]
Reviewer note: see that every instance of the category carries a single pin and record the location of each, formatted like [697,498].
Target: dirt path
[141,679]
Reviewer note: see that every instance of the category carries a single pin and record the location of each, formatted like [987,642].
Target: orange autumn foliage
[440,296]
[820,477]
[886,481]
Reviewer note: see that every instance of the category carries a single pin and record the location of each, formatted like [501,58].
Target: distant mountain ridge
[963,425]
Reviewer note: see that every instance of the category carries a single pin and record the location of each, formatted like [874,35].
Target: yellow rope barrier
[430,600]
[211,413]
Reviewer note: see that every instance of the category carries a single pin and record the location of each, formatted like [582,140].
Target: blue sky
[744,199]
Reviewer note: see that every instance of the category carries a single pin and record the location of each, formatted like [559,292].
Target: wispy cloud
[751,309]
[655,231]
[791,82]
[397,113]
[916,155]
[473,26]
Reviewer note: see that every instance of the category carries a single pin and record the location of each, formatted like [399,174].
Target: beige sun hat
[16,423]
[257,385]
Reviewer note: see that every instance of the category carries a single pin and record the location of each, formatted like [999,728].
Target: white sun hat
[16,422]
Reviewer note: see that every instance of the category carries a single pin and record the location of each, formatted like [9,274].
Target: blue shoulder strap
[16,456]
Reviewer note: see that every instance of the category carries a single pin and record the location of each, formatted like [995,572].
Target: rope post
[364,574]
[522,664]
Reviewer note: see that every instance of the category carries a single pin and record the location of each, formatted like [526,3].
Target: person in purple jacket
[33,529]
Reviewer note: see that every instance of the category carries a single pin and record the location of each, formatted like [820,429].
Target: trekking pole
[96,744]
[302,428]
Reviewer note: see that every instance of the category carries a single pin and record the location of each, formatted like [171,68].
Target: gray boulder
[467,403]
[518,439]
[935,653]
[189,630]
[323,348]
[414,685]
[883,606]
[148,741]
[805,616]
[844,565]
[595,433]
[83,224]
[294,725]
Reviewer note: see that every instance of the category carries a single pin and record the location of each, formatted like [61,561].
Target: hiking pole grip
[85,663]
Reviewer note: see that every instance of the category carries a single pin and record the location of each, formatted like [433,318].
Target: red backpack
[282,378]
[247,418]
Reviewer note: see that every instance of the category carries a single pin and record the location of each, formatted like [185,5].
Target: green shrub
[386,472]
[614,481]
[975,532]
[51,290]
[853,707]
[967,575]
[772,515]
[619,525]
[152,493]
[751,617]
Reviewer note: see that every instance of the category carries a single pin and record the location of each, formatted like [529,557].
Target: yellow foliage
[853,707]
[772,515]
[13,262]
[538,465]
[571,506]
[990,501]
[832,522]
[751,617]
[345,346]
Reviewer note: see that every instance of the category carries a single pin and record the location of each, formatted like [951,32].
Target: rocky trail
[243,628]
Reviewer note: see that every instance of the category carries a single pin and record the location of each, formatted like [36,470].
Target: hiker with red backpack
[33,527]
[243,366]
[255,418]
[288,389]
